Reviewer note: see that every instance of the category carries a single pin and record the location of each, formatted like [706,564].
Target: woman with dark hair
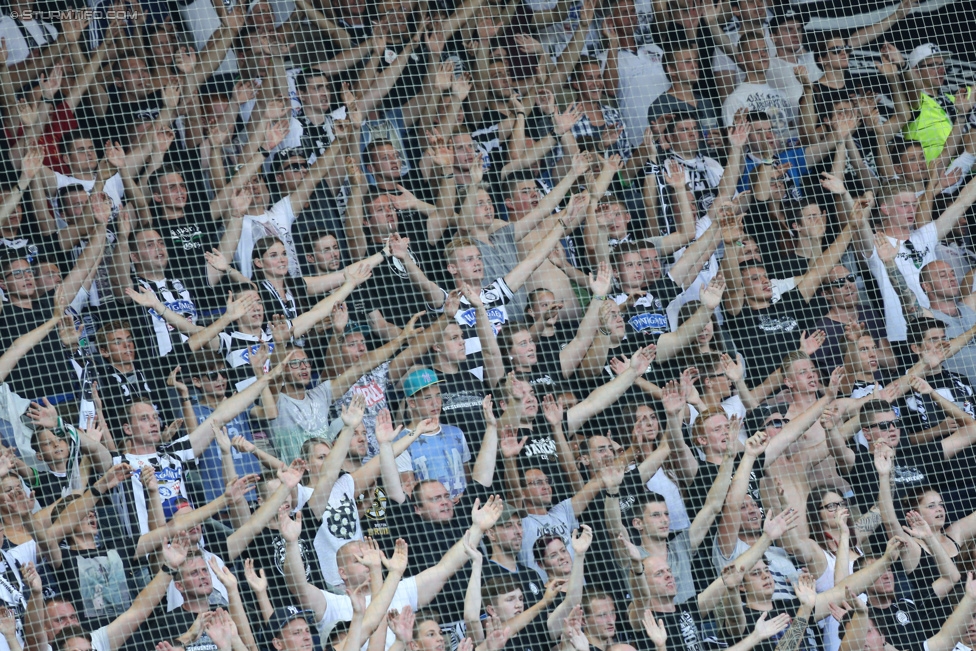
[289,296]
[928,554]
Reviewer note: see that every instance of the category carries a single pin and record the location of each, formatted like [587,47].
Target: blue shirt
[797,159]
[441,456]
[209,463]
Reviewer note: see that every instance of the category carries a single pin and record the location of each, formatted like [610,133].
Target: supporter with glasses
[846,309]
[932,462]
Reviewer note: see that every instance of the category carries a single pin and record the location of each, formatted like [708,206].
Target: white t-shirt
[339,609]
[340,524]
[167,462]
[18,45]
[219,597]
[558,521]
[300,420]
[642,80]
[661,484]
[913,254]
[275,222]
[780,76]
[113,188]
[763,97]
[722,62]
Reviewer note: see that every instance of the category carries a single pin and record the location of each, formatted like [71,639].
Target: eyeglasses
[213,375]
[21,273]
[886,425]
[296,167]
[833,506]
[843,280]
[840,48]
[298,363]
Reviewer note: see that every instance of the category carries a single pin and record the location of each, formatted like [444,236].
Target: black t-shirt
[811,640]
[164,625]
[267,550]
[293,302]
[49,485]
[528,579]
[899,624]
[684,630]
[647,317]
[765,336]
[388,291]
[920,412]
[430,541]
[187,239]
[95,581]
[461,396]
[914,466]
[602,570]
[46,368]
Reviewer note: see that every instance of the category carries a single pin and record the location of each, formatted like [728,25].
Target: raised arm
[607,394]
[238,541]
[731,518]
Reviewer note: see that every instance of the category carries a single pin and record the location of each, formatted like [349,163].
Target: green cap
[418,380]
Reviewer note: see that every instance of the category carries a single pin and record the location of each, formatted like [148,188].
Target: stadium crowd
[533,325]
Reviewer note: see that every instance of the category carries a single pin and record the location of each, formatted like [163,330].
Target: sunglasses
[778,422]
[886,425]
[213,375]
[296,167]
[843,280]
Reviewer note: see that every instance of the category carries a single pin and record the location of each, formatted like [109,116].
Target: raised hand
[755,444]
[581,539]
[290,529]
[485,517]
[353,413]
[385,432]
[655,629]
[812,344]
[776,527]
[45,416]
[884,458]
[223,573]
[601,283]
[767,628]
[401,623]
[805,589]
[256,579]
[510,445]
[917,526]
[176,549]
[711,295]
[292,474]
[397,563]
[237,489]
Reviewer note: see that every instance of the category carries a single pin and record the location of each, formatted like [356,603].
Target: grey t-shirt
[679,560]
[500,258]
[558,521]
[300,420]
[963,362]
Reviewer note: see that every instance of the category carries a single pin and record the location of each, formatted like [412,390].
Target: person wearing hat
[504,546]
[939,116]
[441,452]
[290,629]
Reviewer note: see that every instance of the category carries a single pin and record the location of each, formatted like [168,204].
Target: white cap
[925,51]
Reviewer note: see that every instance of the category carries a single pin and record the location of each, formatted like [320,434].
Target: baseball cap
[924,51]
[786,15]
[331,434]
[419,380]
[508,512]
[283,616]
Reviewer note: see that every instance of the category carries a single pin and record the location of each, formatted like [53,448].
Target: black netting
[535,325]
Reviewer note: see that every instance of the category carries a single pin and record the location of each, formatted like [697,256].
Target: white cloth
[641,81]
[909,261]
[763,97]
[340,524]
[275,222]
[339,609]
